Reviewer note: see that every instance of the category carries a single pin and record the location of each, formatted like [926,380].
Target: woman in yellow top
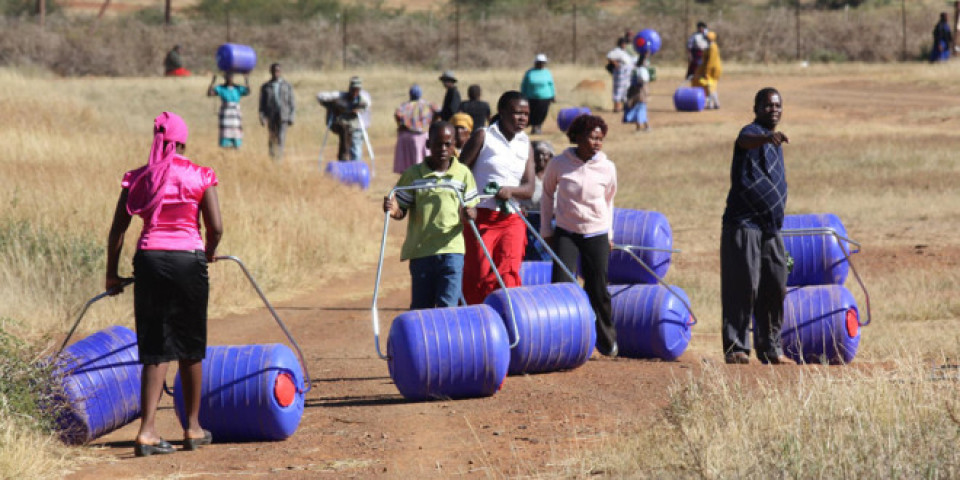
[709,71]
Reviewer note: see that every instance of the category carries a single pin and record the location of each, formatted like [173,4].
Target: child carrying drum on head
[434,243]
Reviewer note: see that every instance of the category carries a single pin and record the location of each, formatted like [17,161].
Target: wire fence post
[903,28]
[343,31]
[456,54]
[41,12]
[166,13]
[796,12]
[574,33]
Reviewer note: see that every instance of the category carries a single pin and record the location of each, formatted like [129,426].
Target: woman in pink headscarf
[170,194]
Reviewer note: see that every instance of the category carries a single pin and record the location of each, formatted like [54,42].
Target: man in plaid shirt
[753,264]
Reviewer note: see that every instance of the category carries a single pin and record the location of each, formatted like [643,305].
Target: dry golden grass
[874,144]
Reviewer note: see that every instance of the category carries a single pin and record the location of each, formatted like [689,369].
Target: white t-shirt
[698,41]
[500,160]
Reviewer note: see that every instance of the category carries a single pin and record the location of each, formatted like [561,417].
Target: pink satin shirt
[177,226]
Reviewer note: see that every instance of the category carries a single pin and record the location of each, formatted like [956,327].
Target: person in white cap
[451,100]
[344,111]
[537,87]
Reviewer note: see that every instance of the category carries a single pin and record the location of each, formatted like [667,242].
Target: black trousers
[594,254]
[753,284]
[538,111]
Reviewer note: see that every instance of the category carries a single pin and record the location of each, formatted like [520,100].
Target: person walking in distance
[277,108]
[753,260]
[171,194]
[451,99]
[231,120]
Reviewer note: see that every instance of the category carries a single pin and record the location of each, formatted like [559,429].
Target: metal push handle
[366,140]
[374,313]
[276,317]
[801,232]
[628,250]
[83,311]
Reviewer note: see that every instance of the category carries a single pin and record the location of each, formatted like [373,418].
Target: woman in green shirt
[537,88]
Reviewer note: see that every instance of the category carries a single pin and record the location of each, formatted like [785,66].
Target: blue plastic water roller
[249,393]
[100,380]
[641,228]
[556,324]
[821,324]
[536,272]
[647,41]
[817,259]
[566,116]
[350,173]
[448,353]
[689,99]
[651,321]
[233,57]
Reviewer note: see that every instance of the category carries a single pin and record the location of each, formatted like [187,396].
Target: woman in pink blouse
[170,194]
[578,190]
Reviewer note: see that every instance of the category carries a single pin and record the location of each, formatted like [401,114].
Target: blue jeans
[436,281]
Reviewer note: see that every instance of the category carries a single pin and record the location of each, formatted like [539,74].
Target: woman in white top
[502,162]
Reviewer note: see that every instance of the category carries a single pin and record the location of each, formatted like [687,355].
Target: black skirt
[170,305]
[538,111]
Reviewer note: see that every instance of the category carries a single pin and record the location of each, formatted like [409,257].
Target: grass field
[875,144]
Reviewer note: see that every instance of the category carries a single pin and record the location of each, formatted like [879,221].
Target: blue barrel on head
[566,116]
[249,393]
[821,324]
[651,321]
[100,382]
[647,41]
[232,57]
[689,99]
[639,228]
[556,324]
[817,259]
[459,352]
[350,173]
[536,273]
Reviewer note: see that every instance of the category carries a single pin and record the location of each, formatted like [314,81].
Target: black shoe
[190,444]
[145,450]
[737,358]
[611,352]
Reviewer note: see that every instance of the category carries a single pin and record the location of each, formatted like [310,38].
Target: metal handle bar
[375,317]
[651,249]
[627,250]
[798,232]
[83,312]
[366,140]
[303,363]
[553,255]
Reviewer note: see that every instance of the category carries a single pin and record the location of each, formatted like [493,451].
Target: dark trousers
[594,254]
[753,279]
[278,136]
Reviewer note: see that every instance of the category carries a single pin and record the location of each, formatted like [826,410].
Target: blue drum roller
[566,115]
[448,353]
[556,326]
[819,258]
[350,173]
[100,381]
[249,393]
[651,320]
[642,229]
[821,324]
[689,99]
[232,57]
[536,272]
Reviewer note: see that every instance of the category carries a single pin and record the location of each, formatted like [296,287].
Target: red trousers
[506,240]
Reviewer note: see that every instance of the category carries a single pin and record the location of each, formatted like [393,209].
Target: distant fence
[126,46]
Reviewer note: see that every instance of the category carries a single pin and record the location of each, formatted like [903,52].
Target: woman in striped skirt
[231,127]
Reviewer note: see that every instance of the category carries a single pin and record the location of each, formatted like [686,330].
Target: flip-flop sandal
[145,450]
[190,444]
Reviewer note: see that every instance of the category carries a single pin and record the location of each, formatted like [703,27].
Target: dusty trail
[356,424]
